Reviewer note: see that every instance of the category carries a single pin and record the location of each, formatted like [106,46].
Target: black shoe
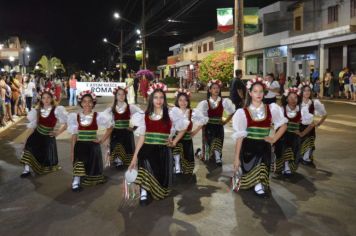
[77,189]
[25,175]
[197,152]
[144,202]
[264,195]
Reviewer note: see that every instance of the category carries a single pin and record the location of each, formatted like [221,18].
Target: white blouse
[121,108]
[103,119]
[60,113]
[239,120]
[318,107]
[179,121]
[307,118]
[227,104]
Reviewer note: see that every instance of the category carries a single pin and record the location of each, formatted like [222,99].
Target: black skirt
[307,142]
[88,162]
[255,159]
[287,148]
[40,153]
[122,145]
[213,140]
[155,167]
[185,150]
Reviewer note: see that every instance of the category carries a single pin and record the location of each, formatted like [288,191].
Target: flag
[225,19]
[250,20]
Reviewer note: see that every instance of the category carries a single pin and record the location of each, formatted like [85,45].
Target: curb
[10,124]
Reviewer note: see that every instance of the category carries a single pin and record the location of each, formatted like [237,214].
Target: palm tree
[49,67]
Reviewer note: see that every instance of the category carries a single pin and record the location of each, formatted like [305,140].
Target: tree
[218,65]
[49,67]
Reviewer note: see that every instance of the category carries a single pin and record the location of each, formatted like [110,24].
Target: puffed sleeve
[319,108]
[32,118]
[229,107]
[134,109]
[180,122]
[203,107]
[104,119]
[72,123]
[138,120]
[239,125]
[198,118]
[278,118]
[307,118]
[61,114]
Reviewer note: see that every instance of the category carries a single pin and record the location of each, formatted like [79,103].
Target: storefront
[304,60]
[275,60]
[254,64]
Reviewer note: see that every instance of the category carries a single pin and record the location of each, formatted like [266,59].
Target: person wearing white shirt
[273,90]
[30,87]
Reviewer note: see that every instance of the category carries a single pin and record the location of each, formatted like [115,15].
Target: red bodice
[124,116]
[296,119]
[50,120]
[92,126]
[265,123]
[216,112]
[157,126]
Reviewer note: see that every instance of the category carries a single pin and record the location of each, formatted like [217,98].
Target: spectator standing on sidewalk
[273,90]
[297,79]
[237,90]
[2,100]
[30,87]
[353,85]
[331,89]
[73,91]
[135,86]
[346,80]
[326,83]
[8,96]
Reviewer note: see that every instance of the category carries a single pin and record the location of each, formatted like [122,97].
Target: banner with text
[99,88]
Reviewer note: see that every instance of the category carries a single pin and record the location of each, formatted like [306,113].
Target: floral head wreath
[48,91]
[305,84]
[215,81]
[257,80]
[179,91]
[155,86]
[292,90]
[118,88]
[86,92]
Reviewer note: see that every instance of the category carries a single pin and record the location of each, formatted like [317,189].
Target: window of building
[353,8]
[205,47]
[298,23]
[199,49]
[191,49]
[211,46]
[186,50]
[333,14]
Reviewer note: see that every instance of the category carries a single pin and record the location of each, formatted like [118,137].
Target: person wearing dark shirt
[135,86]
[237,90]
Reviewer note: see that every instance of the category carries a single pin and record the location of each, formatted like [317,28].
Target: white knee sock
[76,182]
[259,188]
[306,156]
[26,169]
[217,156]
[143,194]
[286,167]
[177,163]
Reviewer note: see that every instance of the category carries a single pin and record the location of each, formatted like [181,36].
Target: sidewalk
[10,124]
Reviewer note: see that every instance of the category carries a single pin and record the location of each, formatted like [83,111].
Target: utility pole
[121,53]
[143,36]
[238,32]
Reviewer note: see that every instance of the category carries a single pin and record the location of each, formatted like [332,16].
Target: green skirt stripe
[28,159]
[147,181]
[119,151]
[93,180]
[79,169]
[308,143]
[259,174]
[44,130]
[288,155]
[187,166]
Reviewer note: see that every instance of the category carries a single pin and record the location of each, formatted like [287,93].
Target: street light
[93,61]
[11,58]
[116,15]
[28,49]
[138,31]
[105,40]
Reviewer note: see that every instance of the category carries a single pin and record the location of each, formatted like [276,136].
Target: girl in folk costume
[153,149]
[85,146]
[122,142]
[287,148]
[40,151]
[252,126]
[183,153]
[213,133]
[316,108]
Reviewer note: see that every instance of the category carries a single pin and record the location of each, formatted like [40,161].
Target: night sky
[73,30]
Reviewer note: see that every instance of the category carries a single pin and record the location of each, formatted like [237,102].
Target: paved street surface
[317,201]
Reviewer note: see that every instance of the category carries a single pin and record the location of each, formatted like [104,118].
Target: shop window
[191,49]
[353,8]
[186,50]
[298,23]
[211,46]
[333,14]
[205,47]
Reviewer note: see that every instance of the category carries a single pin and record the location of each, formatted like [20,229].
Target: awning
[182,63]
